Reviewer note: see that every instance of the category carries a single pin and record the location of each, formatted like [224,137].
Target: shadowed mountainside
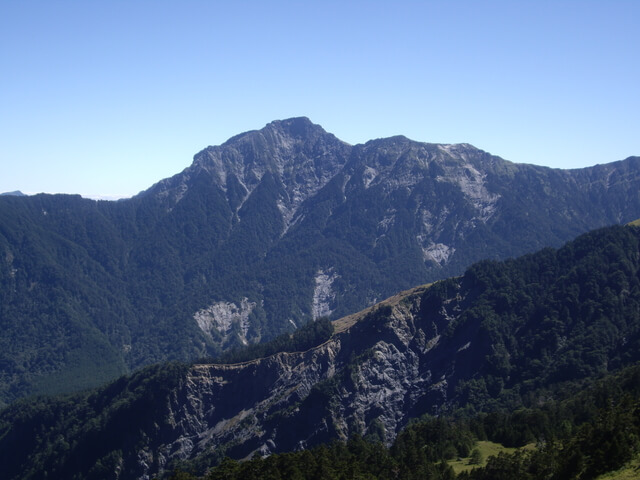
[259,236]
[503,335]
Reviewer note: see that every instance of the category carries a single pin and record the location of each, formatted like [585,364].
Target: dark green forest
[553,362]
[92,290]
[548,317]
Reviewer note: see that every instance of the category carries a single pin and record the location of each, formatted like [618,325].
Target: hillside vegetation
[498,354]
[262,235]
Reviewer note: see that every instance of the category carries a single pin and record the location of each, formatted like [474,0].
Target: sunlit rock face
[376,369]
[226,319]
[323,293]
[337,226]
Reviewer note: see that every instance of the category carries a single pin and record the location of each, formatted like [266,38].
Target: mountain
[262,234]
[16,193]
[502,336]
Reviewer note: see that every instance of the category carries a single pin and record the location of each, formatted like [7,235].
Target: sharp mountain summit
[260,236]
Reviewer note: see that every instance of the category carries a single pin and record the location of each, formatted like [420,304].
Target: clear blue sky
[108,97]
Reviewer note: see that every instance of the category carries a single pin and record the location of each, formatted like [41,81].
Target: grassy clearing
[487,449]
[631,471]
[343,324]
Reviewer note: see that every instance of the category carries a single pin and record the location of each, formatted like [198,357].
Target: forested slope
[507,344]
[260,236]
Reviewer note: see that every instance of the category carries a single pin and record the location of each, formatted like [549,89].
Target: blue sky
[108,97]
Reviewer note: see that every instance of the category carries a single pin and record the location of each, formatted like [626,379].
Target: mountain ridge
[262,234]
[503,335]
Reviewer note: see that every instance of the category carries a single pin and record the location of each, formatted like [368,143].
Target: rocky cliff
[501,335]
[479,340]
[415,211]
[258,236]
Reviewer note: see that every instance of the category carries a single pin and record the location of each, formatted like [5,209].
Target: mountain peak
[299,128]
[16,193]
[296,126]
[299,154]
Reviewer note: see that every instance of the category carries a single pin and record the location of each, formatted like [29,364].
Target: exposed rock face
[469,179]
[323,295]
[164,273]
[436,252]
[300,155]
[221,317]
[503,332]
[381,366]
[245,408]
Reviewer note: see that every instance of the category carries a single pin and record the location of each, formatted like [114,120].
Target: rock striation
[424,350]
[373,369]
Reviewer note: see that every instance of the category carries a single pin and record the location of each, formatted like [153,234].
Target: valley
[531,348]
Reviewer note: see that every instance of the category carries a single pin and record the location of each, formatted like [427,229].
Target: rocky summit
[262,234]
